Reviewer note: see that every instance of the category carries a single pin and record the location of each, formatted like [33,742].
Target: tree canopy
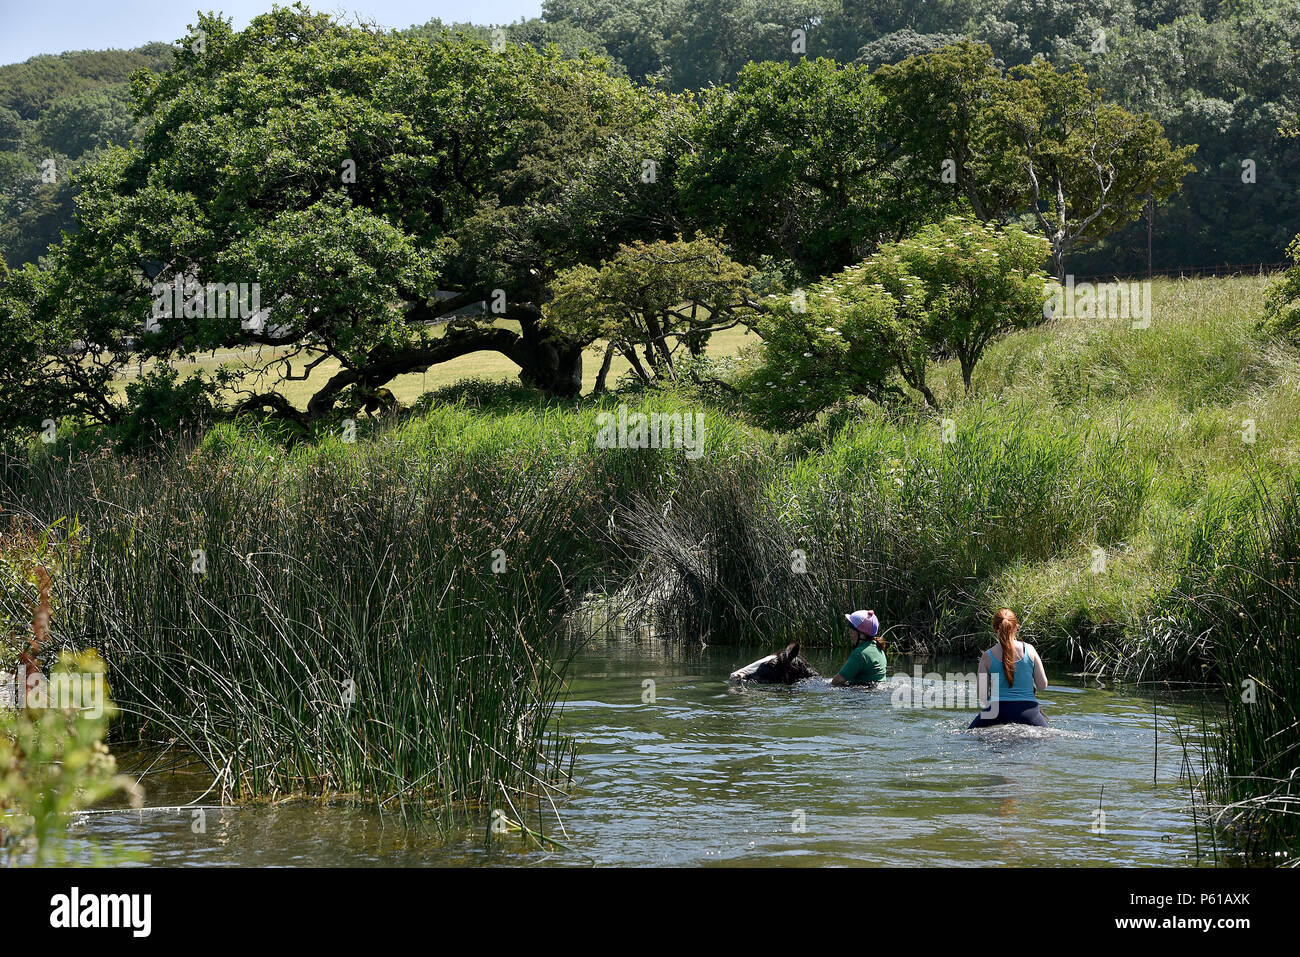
[367,185]
[343,205]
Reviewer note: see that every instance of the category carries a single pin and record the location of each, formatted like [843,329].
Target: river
[709,774]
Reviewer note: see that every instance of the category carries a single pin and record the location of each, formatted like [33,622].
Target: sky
[29,27]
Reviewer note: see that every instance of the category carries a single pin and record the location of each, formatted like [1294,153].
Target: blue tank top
[1022,689]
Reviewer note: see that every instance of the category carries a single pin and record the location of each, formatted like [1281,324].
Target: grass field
[1094,464]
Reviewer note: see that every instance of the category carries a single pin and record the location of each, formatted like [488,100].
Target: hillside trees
[369,185]
[1091,165]
[954,89]
[1034,140]
[796,163]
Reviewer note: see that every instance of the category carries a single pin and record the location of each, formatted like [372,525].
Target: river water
[709,774]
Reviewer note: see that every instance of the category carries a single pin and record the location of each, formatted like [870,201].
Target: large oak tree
[370,184]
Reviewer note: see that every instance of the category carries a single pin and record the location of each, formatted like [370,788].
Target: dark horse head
[784,667]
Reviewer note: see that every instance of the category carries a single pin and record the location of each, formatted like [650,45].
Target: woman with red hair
[1013,672]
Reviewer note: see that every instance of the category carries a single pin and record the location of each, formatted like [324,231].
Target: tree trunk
[604,369]
[554,367]
[1058,262]
[634,360]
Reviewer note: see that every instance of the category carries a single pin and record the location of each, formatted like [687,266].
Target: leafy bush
[53,760]
[947,292]
[479,392]
[162,403]
[1282,317]
[819,347]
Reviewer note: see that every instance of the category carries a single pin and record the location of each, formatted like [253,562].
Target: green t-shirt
[866,664]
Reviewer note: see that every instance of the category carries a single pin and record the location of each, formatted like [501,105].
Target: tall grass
[384,618]
[892,516]
[343,630]
[1089,474]
[1249,608]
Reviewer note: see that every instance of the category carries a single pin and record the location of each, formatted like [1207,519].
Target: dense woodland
[1216,73]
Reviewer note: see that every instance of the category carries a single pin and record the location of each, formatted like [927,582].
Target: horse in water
[784,667]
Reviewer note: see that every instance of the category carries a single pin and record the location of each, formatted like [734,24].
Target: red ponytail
[1005,626]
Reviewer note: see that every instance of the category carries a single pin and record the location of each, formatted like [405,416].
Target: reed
[367,625]
[1249,611]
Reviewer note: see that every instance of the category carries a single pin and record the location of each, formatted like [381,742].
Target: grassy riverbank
[383,617]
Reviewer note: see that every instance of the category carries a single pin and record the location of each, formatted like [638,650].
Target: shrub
[947,292]
[53,761]
[162,403]
[1282,317]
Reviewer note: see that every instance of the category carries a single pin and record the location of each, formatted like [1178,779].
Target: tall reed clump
[716,562]
[1250,606]
[339,620]
[891,514]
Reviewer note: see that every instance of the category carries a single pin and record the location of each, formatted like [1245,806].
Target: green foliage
[954,87]
[161,403]
[86,121]
[947,292]
[11,130]
[572,41]
[351,175]
[1250,608]
[708,42]
[656,297]
[975,283]
[796,163]
[477,393]
[633,31]
[53,761]
[1222,75]
[1282,316]
[819,346]
[1091,165]
[1035,140]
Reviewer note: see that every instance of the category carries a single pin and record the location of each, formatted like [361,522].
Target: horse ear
[791,651]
